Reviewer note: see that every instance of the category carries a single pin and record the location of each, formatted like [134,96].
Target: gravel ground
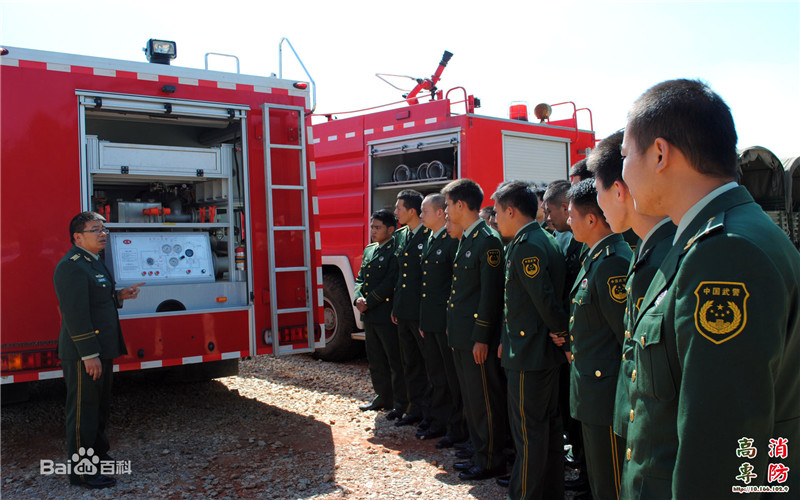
[284,428]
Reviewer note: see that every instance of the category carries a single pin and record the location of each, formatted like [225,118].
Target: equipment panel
[161,258]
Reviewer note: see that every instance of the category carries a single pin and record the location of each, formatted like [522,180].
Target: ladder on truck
[287,216]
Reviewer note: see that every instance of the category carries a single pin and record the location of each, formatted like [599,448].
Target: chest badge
[721,310]
[659,298]
[439,252]
[584,284]
[419,247]
[616,288]
[380,258]
[467,254]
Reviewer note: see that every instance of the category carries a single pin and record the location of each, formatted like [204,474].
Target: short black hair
[556,191]
[386,216]
[437,200]
[519,195]
[78,223]
[691,117]
[605,160]
[465,190]
[412,200]
[584,196]
[579,169]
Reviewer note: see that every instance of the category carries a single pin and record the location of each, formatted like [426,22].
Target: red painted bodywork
[40,193]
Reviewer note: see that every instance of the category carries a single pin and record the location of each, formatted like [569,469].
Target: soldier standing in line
[715,405]
[446,407]
[90,339]
[656,232]
[373,297]
[410,241]
[596,337]
[534,307]
[473,324]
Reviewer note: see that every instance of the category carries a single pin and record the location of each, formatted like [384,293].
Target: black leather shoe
[445,442]
[463,445]
[503,480]
[466,465]
[424,425]
[375,405]
[477,473]
[465,453]
[394,414]
[407,420]
[431,434]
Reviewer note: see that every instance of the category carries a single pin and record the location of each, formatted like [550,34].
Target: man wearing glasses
[89,341]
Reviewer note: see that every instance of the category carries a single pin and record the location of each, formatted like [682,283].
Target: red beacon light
[301,85]
[518,111]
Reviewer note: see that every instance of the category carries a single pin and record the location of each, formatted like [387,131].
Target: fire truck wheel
[339,322]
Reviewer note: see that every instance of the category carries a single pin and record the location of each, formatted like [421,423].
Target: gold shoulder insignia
[87,258]
[721,310]
[475,234]
[493,257]
[75,257]
[531,266]
[616,288]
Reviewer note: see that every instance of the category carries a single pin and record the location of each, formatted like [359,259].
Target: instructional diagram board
[161,258]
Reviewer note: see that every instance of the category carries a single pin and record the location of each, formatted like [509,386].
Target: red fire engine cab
[209,192]
[364,161]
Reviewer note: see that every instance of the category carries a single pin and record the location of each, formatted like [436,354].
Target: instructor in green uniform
[596,336]
[534,307]
[715,405]
[89,341]
[473,326]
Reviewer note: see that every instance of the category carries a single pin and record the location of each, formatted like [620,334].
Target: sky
[600,55]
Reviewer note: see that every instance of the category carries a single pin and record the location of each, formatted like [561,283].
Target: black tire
[339,322]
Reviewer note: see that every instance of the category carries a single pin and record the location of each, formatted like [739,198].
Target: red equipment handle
[429,83]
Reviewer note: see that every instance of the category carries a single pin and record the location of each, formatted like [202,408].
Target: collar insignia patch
[616,288]
[531,266]
[492,257]
[721,310]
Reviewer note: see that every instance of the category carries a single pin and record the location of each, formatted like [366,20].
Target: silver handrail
[280,71]
[223,55]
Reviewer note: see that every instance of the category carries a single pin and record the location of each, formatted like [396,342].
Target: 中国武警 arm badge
[531,266]
[721,310]
[616,288]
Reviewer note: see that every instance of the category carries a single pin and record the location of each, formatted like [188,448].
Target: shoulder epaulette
[75,257]
[610,250]
[372,244]
[713,225]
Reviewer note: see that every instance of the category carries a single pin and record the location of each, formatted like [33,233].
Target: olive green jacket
[409,275]
[375,281]
[597,331]
[476,295]
[437,276]
[645,263]
[88,304]
[534,301]
[717,356]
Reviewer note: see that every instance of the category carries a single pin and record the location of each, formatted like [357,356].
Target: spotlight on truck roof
[160,51]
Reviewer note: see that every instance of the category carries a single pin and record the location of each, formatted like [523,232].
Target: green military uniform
[406,309]
[631,239]
[716,362]
[647,257]
[596,336]
[437,274]
[375,283]
[89,326]
[534,307]
[473,315]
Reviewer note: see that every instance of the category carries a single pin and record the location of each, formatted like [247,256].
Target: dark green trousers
[483,390]
[604,458]
[446,408]
[385,364]
[414,371]
[88,407]
[537,430]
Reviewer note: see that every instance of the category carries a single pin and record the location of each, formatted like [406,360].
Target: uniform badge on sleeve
[616,288]
[531,266]
[721,310]
[493,257]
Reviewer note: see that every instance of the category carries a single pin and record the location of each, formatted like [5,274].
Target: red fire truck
[364,161]
[209,190]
